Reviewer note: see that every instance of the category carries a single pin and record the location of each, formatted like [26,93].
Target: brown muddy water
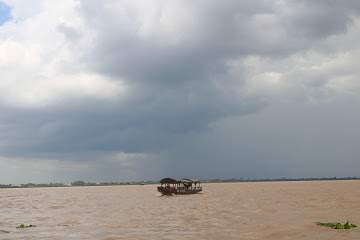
[268,210]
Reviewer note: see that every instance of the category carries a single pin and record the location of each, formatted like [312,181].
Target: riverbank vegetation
[83,183]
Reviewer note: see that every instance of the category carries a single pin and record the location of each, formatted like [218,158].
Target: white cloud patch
[40,58]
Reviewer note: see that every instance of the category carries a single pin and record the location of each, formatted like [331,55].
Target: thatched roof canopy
[169,180]
[184,180]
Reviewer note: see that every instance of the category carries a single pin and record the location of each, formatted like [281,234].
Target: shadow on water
[165,195]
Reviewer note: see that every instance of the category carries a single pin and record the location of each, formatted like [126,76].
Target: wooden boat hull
[166,191]
[186,192]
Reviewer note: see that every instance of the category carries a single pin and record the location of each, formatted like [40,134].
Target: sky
[142,90]
[5,14]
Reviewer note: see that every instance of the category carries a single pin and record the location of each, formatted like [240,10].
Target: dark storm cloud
[186,67]
[321,18]
[148,125]
[176,88]
[173,90]
[284,141]
[219,32]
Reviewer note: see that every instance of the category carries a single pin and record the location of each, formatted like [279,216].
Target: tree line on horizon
[82,183]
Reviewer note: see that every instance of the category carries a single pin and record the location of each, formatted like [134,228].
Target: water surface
[267,210]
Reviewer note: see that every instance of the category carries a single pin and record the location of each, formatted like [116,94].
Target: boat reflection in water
[171,186]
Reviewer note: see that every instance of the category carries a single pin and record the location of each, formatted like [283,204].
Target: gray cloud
[69,32]
[215,33]
[195,75]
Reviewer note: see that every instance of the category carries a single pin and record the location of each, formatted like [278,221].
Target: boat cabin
[171,186]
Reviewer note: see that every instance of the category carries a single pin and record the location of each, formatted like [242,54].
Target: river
[248,210]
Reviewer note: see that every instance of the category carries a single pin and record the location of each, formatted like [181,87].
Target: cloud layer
[152,81]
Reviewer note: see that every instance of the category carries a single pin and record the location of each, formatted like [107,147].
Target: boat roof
[194,180]
[183,180]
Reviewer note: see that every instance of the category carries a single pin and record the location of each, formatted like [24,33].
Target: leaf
[24,226]
[21,226]
[336,225]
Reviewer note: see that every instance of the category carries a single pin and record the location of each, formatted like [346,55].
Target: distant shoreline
[279,179]
[82,183]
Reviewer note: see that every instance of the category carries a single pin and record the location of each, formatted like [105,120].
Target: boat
[171,186]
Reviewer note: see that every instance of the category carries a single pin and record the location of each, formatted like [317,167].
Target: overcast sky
[141,90]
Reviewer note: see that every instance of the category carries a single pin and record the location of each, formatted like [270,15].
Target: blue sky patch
[5,13]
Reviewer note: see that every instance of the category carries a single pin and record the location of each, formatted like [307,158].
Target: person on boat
[187,185]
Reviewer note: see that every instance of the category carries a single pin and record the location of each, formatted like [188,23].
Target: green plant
[25,226]
[336,225]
